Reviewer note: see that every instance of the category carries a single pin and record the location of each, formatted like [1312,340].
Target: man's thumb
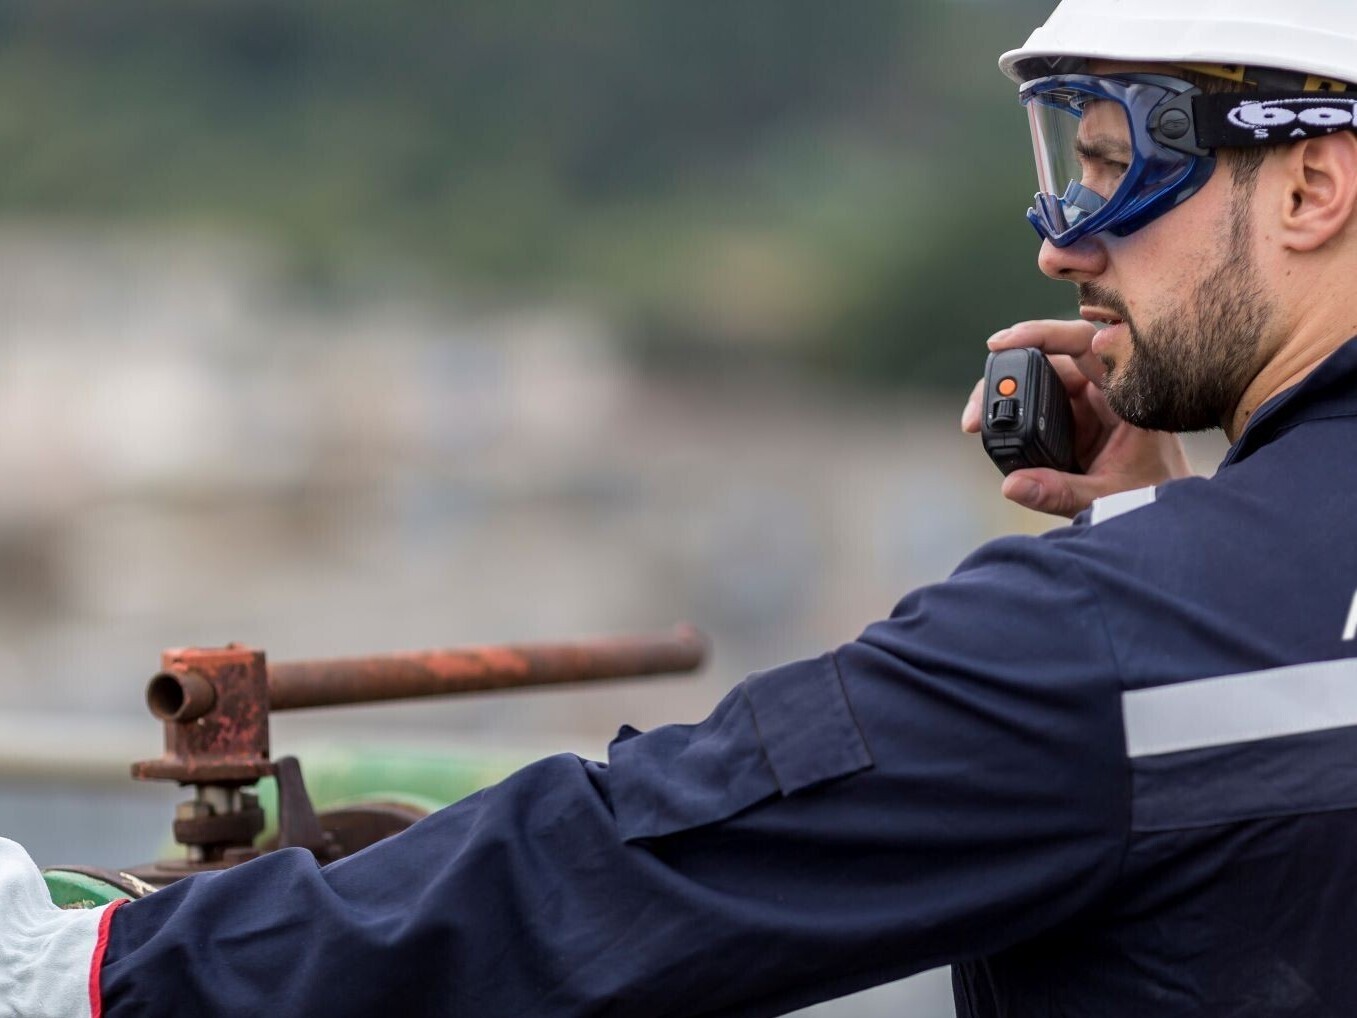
[1049,491]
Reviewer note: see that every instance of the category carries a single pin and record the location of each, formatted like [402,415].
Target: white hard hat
[1315,37]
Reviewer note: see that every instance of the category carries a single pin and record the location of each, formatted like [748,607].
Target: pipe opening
[179,696]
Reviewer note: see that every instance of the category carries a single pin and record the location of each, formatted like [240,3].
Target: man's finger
[970,417]
[1053,336]
[1050,491]
[1070,373]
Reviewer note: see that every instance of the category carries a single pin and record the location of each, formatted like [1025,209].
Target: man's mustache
[1101,296]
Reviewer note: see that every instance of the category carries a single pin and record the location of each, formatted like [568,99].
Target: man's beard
[1189,367]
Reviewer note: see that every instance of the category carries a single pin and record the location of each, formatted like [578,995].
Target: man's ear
[1319,176]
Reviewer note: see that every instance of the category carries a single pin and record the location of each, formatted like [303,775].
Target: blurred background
[338,327]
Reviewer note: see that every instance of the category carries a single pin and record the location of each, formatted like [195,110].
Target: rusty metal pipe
[179,695]
[297,684]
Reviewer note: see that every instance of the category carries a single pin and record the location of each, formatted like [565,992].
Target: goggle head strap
[1254,119]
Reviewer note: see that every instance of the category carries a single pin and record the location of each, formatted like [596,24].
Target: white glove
[46,953]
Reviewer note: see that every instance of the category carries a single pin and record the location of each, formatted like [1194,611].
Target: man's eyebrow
[1103,147]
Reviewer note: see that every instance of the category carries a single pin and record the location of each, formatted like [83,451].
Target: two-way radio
[1027,420]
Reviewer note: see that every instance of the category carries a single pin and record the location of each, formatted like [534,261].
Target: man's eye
[1107,167]
[1102,176]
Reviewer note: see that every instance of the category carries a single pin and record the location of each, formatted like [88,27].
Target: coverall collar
[1328,391]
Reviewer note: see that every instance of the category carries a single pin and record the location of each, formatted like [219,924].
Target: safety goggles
[1113,152]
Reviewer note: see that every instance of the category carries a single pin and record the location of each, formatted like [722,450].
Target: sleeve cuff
[97,958]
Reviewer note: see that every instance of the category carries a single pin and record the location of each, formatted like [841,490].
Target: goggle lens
[1099,165]
[1084,152]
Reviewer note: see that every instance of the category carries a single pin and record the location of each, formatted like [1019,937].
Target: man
[1108,771]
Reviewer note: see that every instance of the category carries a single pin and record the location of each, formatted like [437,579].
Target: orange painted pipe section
[297,684]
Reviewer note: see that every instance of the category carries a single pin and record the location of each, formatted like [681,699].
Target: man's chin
[1129,401]
[1109,337]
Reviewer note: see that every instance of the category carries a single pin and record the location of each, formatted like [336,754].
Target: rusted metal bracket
[298,825]
[215,705]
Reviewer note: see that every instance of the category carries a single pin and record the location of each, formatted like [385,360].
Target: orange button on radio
[1007,386]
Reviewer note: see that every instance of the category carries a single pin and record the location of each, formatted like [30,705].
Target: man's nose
[1083,260]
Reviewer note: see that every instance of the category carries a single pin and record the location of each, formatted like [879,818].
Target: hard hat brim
[1185,40]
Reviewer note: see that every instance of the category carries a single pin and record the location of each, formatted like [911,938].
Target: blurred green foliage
[838,183]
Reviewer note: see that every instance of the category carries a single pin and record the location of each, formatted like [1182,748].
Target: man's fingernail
[1026,491]
[997,336]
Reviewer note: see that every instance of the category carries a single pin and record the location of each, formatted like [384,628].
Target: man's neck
[1305,350]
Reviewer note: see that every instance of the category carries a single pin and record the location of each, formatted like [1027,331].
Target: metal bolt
[1174,124]
[219,798]
[192,810]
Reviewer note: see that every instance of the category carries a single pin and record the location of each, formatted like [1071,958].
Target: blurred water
[60,824]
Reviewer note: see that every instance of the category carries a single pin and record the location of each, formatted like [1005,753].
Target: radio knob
[1005,415]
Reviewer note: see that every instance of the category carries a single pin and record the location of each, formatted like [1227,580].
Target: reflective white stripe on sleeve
[1122,502]
[1241,708]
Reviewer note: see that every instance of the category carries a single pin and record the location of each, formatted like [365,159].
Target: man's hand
[47,954]
[1115,456]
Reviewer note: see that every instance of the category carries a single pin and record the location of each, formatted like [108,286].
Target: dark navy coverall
[1109,771]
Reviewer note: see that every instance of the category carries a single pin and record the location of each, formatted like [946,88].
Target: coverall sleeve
[951,783]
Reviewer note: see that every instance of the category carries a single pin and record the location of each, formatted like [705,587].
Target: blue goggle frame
[1164,171]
